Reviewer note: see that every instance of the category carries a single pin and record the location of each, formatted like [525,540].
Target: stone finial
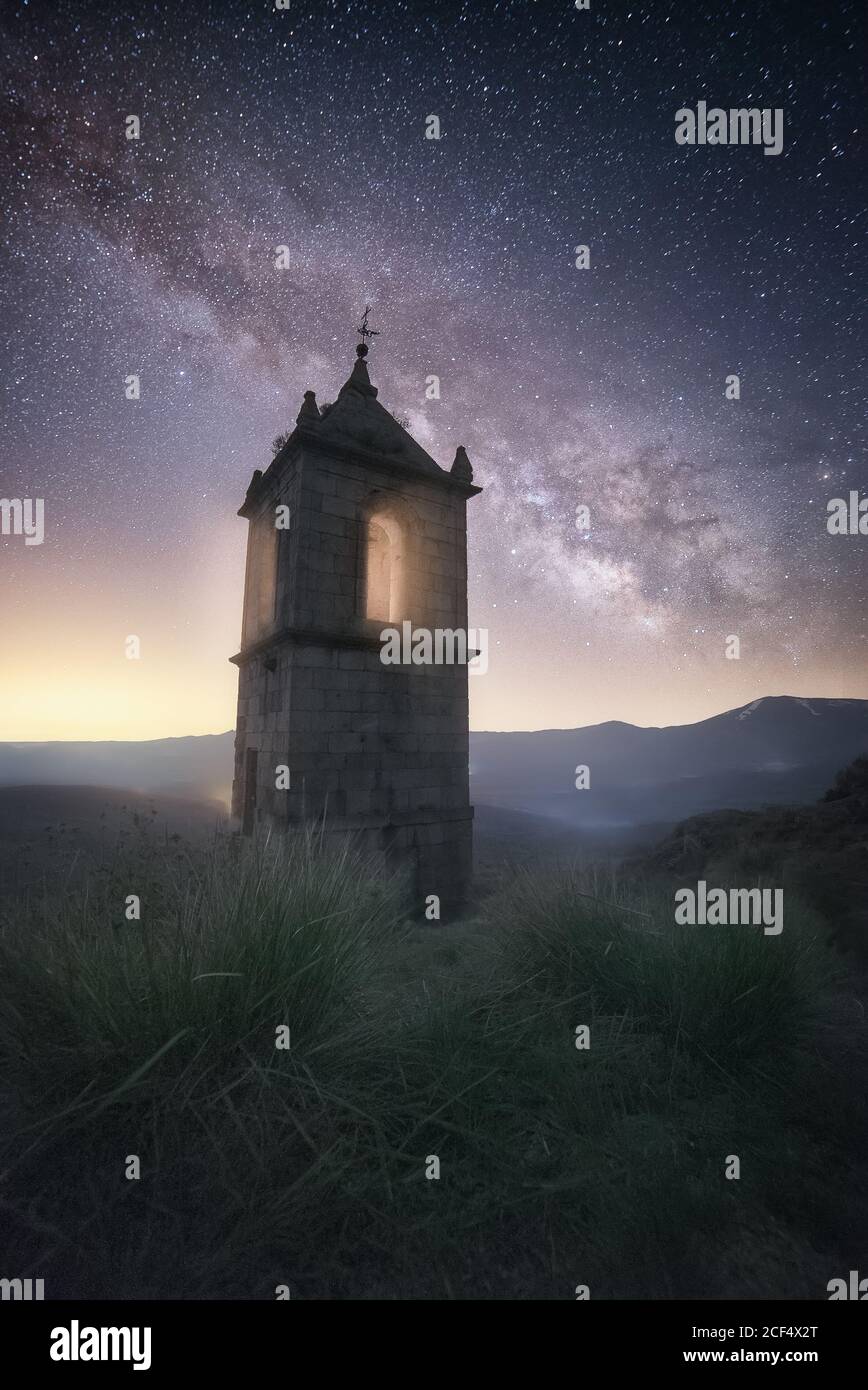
[358,379]
[309,410]
[461,468]
[250,496]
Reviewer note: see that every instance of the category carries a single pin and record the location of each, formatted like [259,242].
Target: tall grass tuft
[156,1039]
[728,994]
[231,944]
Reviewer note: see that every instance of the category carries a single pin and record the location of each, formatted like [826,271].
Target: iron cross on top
[364,331]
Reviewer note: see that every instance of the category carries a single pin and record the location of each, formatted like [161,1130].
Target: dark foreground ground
[160,1142]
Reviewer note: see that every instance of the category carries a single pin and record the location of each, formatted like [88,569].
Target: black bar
[282,1338]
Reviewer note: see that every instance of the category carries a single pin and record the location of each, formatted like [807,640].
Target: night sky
[601,387]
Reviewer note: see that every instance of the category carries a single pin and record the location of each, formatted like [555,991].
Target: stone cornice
[304,437]
[306,637]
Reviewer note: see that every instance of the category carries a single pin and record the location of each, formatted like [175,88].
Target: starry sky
[603,387]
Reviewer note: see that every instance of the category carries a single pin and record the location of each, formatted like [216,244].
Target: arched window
[261,585]
[384,569]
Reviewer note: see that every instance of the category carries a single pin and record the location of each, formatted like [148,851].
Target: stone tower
[354,530]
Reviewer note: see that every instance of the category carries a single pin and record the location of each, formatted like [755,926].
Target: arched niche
[261,577]
[387,537]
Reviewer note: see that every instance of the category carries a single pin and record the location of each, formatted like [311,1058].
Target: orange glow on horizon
[65,675]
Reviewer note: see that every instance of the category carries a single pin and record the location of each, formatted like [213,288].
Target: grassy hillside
[817,853]
[59,835]
[559,1166]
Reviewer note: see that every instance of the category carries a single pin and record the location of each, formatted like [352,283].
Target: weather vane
[365,332]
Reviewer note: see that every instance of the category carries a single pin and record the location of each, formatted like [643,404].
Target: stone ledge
[306,636]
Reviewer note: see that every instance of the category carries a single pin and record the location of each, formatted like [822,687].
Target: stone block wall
[381,751]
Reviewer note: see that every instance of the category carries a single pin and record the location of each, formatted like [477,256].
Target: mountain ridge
[775,749]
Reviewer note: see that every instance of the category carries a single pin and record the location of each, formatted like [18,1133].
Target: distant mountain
[196,766]
[778,749]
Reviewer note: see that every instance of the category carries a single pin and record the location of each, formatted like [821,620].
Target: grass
[306,1166]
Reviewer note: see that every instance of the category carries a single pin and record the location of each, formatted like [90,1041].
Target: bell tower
[355,532]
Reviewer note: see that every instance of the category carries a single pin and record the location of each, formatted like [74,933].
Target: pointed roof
[358,421]
[359,426]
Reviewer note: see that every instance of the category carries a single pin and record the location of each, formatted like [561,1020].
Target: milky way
[603,387]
